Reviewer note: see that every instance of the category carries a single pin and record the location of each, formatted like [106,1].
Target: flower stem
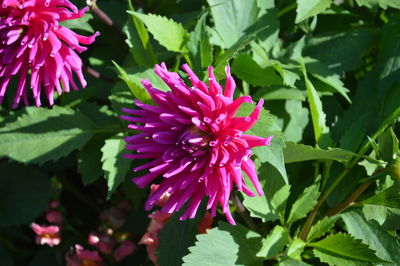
[243,213]
[349,201]
[106,20]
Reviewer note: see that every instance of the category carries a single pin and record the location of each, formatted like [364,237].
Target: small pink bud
[54,216]
[125,249]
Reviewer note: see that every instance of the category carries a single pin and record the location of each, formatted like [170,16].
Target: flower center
[193,140]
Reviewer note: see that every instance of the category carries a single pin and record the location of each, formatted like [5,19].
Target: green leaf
[341,51]
[288,261]
[114,165]
[343,249]
[296,248]
[317,113]
[279,93]
[274,242]
[24,194]
[79,23]
[309,8]
[134,85]
[89,161]
[232,19]
[226,245]
[299,152]
[247,69]
[304,203]
[222,60]
[138,41]
[298,121]
[184,235]
[381,3]
[389,197]
[321,227]
[371,233]
[42,135]
[321,72]
[199,45]
[167,32]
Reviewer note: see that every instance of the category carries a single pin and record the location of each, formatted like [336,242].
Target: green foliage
[23,196]
[321,227]
[339,249]
[61,128]
[389,197]
[226,245]
[114,165]
[309,8]
[274,242]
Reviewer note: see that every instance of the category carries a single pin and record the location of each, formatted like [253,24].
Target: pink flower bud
[125,249]
[54,216]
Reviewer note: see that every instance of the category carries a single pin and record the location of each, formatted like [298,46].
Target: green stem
[286,9]
[243,213]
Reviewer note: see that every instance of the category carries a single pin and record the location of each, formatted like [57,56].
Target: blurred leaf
[298,121]
[389,197]
[309,8]
[287,261]
[299,152]
[274,243]
[79,23]
[41,134]
[226,245]
[343,249]
[167,32]
[184,235]
[232,19]
[321,227]
[371,233]
[304,203]
[381,3]
[247,69]
[199,45]
[115,165]
[6,258]
[341,51]
[24,194]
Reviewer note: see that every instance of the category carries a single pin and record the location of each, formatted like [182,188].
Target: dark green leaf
[389,197]
[321,227]
[24,194]
[274,242]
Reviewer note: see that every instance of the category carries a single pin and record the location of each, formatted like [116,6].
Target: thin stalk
[349,201]
[243,213]
[286,9]
[106,20]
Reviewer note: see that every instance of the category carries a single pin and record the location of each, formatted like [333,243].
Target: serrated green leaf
[309,8]
[298,121]
[321,227]
[299,152]
[343,249]
[184,235]
[371,233]
[247,69]
[199,45]
[61,129]
[274,242]
[114,165]
[304,203]
[226,245]
[24,194]
[138,41]
[232,19]
[381,3]
[389,197]
[296,248]
[167,32]
[318,116]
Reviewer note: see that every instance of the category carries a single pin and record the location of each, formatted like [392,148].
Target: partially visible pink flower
[38,49]
[196,144]
[54,216]
[53,204]
[125,249]
[103,242]
[82,257]
[164,197]
[49,235]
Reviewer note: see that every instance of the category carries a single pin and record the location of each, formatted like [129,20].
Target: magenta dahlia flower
[197,145]
[34,46]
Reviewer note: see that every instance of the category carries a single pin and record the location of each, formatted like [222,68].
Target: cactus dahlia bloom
[34,46]
[196,144]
